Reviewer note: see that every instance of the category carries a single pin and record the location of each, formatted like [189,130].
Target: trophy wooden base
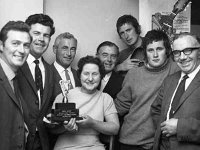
[64,112]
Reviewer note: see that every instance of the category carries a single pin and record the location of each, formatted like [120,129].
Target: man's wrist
[119,68]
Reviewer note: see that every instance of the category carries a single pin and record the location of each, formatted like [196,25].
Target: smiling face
[187,63]
[108,57]
[90,78]
[65,52]
[128,34]
[15,49]
[156,54]
[41,38]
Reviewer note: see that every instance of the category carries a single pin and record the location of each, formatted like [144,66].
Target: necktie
[18,95]
[38,79]
[179,92]
[16,90]
[15,85]
[68,78]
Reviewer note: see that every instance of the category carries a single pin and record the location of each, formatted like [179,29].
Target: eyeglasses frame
[190,50]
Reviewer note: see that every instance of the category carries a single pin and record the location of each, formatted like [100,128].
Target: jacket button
[19,146]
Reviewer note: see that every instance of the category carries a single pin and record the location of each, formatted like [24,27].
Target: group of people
[146,94]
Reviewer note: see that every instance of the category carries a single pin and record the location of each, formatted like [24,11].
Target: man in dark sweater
[129,31]
[140,88]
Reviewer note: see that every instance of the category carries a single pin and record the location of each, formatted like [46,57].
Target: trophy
[65,111]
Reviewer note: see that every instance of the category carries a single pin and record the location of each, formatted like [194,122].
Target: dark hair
[15,26]
[108,43]
[41,19]
[154,36]
[90,60]
[129,20]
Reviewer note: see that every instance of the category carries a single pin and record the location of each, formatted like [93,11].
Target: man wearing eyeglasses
[176,110]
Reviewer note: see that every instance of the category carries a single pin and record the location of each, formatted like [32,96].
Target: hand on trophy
[48,122]
[86,121]
[71,125]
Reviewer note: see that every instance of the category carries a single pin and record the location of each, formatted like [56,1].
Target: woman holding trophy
[94,107]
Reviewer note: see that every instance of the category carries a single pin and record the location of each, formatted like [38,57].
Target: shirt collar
[7,70]
[192,74]
[31,59]
[61,68]
[107,76]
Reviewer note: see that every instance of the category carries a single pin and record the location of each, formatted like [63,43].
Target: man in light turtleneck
[140,89]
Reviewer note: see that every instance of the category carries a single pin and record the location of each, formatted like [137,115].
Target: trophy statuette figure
[65,111]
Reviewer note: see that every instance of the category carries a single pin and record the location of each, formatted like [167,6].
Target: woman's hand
[71,125]
[87,121]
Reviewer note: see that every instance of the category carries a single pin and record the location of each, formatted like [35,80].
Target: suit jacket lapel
[107,88]
[171,88]
[191,88]
[27,73]
[77,81]
[8,87]
[46,85]
[56,74]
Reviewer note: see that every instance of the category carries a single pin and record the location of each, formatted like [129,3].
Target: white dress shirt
[10,74]
[31,64]
[105,80]
[61,71]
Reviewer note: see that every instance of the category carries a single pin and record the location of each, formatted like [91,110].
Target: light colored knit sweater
[139,89]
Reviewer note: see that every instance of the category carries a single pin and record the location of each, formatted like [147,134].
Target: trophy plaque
[65,111]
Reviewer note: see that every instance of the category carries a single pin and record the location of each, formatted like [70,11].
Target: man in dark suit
[176,113]
[14,49]
[64,47]
[108,53]
[36,80]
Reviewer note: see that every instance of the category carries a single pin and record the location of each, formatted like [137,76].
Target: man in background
[129,31]
[111,83]
[108,53]
[14,49]
[64,48]
[36,80]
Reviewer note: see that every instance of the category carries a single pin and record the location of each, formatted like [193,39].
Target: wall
[18,9]
[195,29]
[91,21]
